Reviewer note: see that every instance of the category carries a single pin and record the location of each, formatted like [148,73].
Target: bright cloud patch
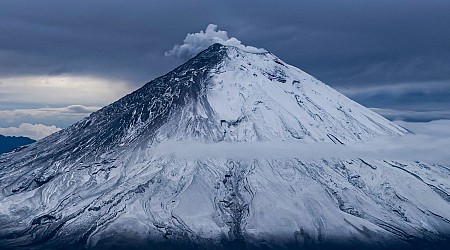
[62,116]
[33,131]
[61,90]
[196,42]
[36,93]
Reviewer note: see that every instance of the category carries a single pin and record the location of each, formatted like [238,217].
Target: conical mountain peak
[222,94]
[225,90]
[103,175]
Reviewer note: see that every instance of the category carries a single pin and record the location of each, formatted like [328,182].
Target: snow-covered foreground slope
[117,178]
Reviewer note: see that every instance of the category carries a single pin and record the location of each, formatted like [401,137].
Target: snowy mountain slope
[257,97]
[100,183]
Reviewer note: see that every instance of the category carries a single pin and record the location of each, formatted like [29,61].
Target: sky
[61,60]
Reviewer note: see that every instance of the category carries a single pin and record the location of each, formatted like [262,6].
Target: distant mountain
[8,143]
[103,183]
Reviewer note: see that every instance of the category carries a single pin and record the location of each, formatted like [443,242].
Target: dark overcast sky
[384,54]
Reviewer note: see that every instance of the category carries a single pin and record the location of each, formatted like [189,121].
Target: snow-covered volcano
[102,183]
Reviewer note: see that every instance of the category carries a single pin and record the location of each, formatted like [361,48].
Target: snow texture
[119,177]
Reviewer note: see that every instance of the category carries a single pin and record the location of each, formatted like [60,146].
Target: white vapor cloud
[33,131]
[430,143]
[197,42]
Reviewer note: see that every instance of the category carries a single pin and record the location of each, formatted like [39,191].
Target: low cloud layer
[413,116]
[33,131]
[430,143]
[197,42]
[439,129]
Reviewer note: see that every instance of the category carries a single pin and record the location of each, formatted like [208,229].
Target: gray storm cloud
[197,42]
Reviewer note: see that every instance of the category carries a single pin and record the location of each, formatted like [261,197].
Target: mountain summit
[101,183]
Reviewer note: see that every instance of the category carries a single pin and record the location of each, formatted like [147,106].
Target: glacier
[195,159]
